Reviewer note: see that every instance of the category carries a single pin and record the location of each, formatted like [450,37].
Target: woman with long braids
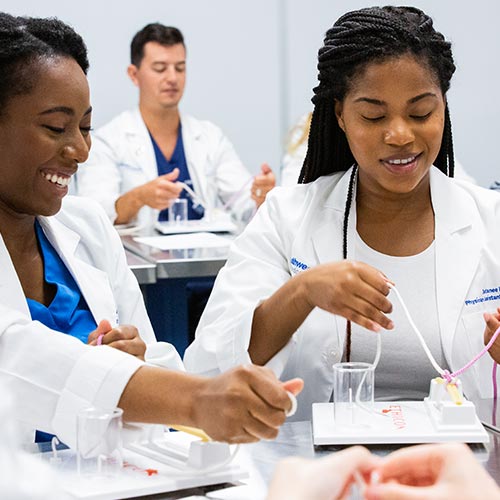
[307,284]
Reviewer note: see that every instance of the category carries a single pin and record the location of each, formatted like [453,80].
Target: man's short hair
[154,32]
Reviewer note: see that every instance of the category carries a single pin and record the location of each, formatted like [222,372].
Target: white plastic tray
[140,476]
[405,422]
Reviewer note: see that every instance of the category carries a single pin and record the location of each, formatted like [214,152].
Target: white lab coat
[122,157]
[54,375]
[301,227]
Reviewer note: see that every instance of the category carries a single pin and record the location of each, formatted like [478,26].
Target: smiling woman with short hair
[64,278]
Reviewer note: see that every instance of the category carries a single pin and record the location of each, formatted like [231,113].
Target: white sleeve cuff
[98,379]
[164,355]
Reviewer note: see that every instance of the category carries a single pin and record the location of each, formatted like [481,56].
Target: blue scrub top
[68,312]
[178,160]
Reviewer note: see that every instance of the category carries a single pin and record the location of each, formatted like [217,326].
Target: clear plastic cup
[99,442]
[178,211]
[353,393]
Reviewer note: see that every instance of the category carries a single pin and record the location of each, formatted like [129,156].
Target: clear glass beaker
[178,211]
[99,442]
[353,393]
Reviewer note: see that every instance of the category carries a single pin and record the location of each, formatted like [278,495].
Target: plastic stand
[445,415]
[173,462]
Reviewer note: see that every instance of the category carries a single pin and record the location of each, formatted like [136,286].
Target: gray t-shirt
[404,371]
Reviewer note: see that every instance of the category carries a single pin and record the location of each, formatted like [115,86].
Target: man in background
[141,160]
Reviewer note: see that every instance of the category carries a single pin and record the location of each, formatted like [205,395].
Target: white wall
[474,95]
[252,64]
[233,75]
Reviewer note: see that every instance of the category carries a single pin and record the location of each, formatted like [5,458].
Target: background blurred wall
[252,64]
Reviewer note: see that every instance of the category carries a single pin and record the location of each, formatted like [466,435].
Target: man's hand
[262,184]
[161,192]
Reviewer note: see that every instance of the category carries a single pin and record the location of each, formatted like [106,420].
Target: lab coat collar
[11,292]
[458,238]
[453,210]
[143,151]
[327,239]
[139,144]
[196,154]
[193,144]
[337,198]
[93,283]
[135,127]
[190,127]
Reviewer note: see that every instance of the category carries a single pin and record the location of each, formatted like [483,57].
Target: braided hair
[25,41]
[357,39]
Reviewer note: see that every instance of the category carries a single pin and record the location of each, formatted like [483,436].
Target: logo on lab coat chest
[486,295]
[297,266]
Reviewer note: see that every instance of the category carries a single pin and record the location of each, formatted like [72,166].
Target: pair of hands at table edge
[434,471]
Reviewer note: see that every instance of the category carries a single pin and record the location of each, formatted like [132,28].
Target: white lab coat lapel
[140,145]
[459,240]
[93,283]
[11,291]
[458,245]
[196,156]
[328,238]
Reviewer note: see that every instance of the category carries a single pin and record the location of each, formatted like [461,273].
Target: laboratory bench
[144,270]
[185,263]
[183,281]
[296,439]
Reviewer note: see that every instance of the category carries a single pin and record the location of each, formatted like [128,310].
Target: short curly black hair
[24,41]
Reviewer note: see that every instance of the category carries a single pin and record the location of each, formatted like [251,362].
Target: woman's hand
[492,324]
[354,290]
[432,472]
[327,478]
[350,289]
[243,405]
[125,338]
